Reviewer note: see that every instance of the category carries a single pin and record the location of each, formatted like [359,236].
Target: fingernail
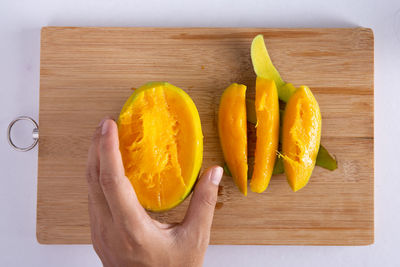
[102,121]
[104,128]
[216,175]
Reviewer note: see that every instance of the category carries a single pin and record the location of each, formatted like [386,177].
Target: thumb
[201,209]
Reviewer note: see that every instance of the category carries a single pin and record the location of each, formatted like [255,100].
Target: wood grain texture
[88,73]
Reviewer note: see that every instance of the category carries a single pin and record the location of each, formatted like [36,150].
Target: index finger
[98,207]
[119,193]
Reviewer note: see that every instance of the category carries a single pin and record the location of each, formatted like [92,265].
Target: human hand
[123,234]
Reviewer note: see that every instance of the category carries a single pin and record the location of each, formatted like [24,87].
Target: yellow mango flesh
[232,128]
[161,144]
[301,134]
[267,111]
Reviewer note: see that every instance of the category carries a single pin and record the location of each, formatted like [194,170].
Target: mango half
[161,144]
[301,135]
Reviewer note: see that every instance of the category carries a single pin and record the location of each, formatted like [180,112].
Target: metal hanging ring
[35,133]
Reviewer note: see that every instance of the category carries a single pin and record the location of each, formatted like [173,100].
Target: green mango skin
[325,159]
[263,67]
[278,167]
[226,170]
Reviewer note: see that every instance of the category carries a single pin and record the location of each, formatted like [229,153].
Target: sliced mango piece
[301,134]
[232,128]
[267,111]
[161,144]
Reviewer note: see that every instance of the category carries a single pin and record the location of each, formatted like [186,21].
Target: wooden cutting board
[88,73]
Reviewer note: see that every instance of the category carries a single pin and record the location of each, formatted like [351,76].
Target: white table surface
[20,23]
